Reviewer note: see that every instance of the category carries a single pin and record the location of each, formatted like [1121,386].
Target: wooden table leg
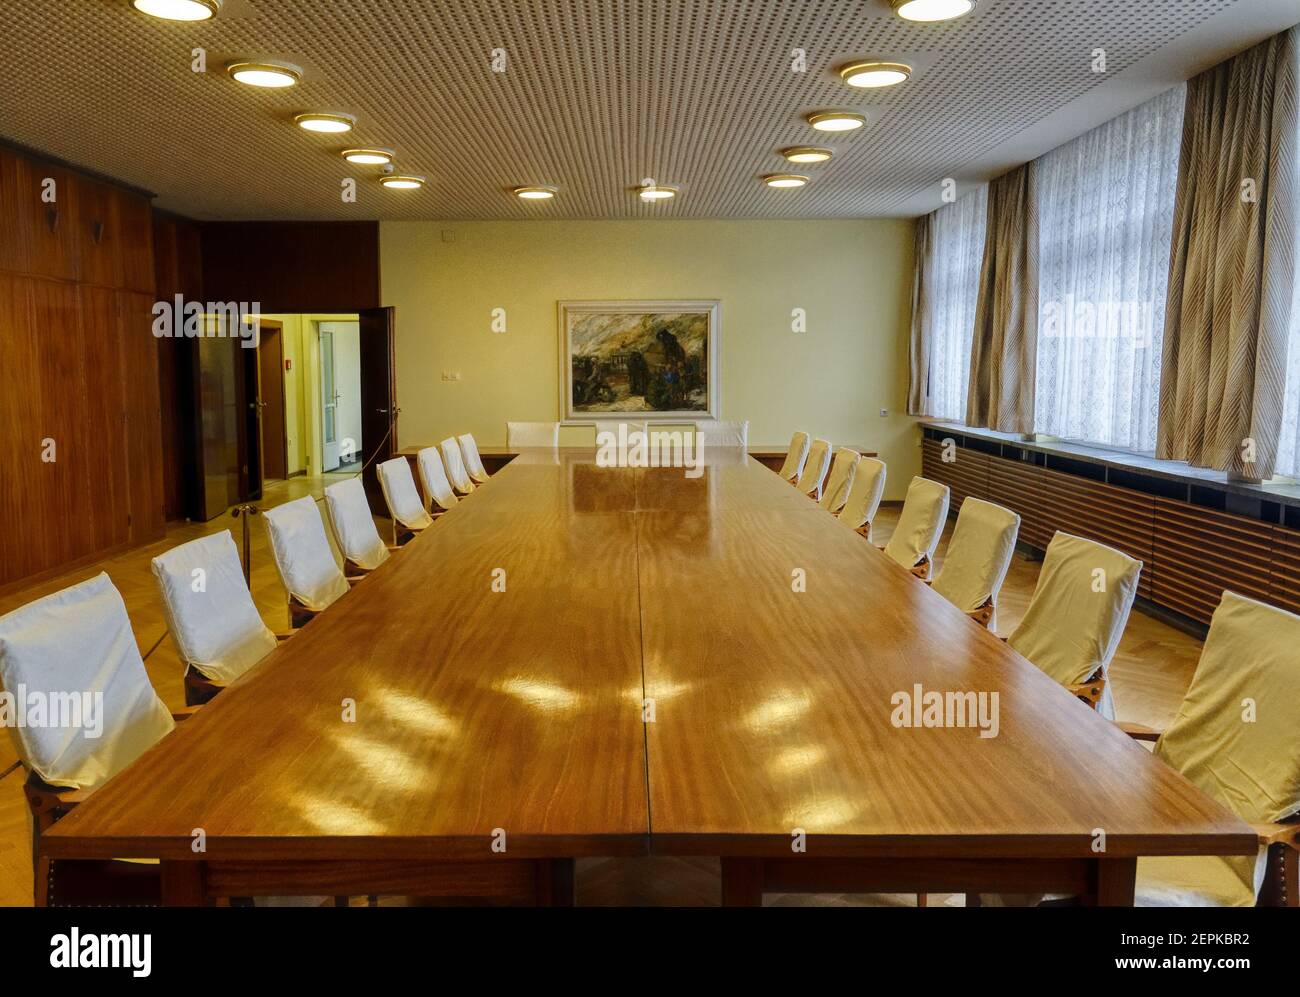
[742,882]
[1116,881]
[182,884]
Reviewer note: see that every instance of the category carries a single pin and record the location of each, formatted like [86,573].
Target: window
[953,281]
[1105,214]
[1288,449]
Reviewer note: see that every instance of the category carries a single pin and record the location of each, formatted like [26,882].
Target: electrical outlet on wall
[884,413]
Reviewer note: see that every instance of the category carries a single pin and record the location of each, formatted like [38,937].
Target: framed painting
[652,361]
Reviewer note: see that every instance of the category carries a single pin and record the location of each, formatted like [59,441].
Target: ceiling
[596,96]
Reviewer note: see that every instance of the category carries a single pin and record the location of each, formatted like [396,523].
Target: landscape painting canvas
[648,360]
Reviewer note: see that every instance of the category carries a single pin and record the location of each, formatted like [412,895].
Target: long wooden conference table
[590,661]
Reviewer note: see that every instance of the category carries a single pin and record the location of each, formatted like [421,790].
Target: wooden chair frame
[48,805]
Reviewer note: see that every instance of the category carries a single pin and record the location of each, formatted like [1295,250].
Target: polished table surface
[520,712]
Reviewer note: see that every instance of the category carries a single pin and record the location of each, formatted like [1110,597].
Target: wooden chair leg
[923,900]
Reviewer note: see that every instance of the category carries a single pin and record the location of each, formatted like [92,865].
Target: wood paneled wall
[293,266]
[178,269]
[78,367]
[1190,554]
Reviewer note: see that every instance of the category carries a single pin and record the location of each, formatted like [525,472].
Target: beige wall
[853,278]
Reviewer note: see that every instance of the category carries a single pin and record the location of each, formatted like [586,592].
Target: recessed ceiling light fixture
[535,193]
[656,192]
[369,157]
[179,10]
[408,182]
[782,180]
[836,121]
[875,74]
[273,75]
[932,10]
[806,154]
[333,123]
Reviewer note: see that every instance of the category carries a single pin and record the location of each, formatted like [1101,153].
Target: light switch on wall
[884,413]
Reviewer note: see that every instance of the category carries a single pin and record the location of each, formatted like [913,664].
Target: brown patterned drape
[1004,348]
[918,391]
[1232,264]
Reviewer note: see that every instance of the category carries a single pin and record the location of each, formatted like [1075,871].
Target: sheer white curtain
[1288,449]
[952,285]
[1106,209]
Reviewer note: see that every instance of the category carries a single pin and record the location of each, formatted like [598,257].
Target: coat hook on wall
[97,231]
[52,218]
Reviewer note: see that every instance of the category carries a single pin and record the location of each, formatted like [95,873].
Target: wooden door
[270,386]
[378,399]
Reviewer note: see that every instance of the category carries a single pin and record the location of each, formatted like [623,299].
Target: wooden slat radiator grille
[1200,552]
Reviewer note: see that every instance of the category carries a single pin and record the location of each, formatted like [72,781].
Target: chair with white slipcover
[439,496]
[473,462]
[354,527]
[722,433]
[977,559]
[795,457]
[925,510]
[218,631]
[532,434]
[403,499]
[303,558]
[456,472]
[814,470]
[864,497]
[1077,616]
[1251,767]
[80,640]
[843,470]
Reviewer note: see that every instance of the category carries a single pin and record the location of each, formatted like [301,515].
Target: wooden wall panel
[50,229]
[1108,514]
[1018,486]
[966,474]
[78,367]
[1200,552]
[293,266]
[177,270]
[1284,581]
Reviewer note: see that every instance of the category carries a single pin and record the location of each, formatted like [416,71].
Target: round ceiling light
[332,123]
[783,180]
[272,75]
[656,192]
[179,10]
[870,75]
[535,193]
[805,154]
[398,182]
[369,157]
[932,10]
[836,121]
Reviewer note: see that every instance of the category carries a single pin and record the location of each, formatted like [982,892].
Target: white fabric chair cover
[217,628]
[456,473]
[473,462]
[532,434]
[612,427]
[920,524]
[79,641]
[796,457]
[864,496]
[437,489]
[815,468]
[722,433]
[1252,653]
[1071,630]
[302,554]
[401,495]
[978,556]
[843,471]
[353,525]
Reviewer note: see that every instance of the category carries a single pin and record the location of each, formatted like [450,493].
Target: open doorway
[340,395]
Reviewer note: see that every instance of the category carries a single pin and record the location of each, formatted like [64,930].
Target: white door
[330,401]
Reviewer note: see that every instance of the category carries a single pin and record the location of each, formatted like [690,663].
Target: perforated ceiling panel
[596,95]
